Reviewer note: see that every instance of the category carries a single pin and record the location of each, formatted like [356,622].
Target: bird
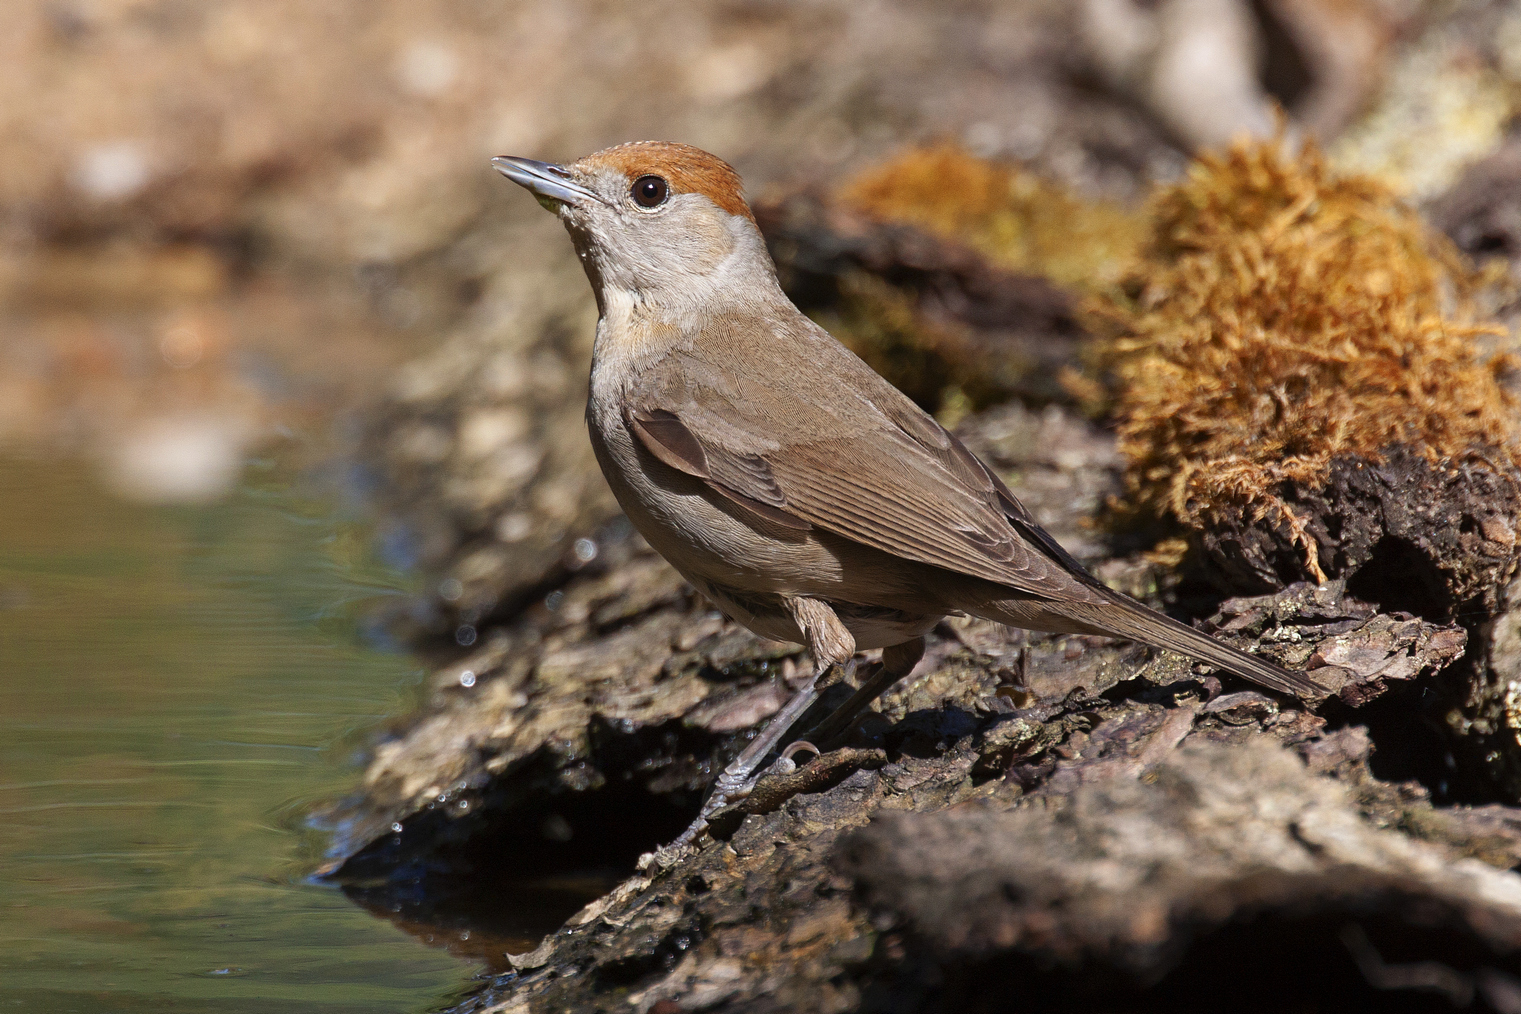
[805,496]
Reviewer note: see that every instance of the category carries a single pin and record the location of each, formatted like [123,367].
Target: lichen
[1280,316]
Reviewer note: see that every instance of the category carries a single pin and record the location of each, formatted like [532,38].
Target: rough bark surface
[1434,539]
[1104,829]
[1124,864]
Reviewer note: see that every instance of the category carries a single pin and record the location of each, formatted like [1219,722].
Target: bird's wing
[803,433]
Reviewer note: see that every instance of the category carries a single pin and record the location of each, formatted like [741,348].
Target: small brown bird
[788,482]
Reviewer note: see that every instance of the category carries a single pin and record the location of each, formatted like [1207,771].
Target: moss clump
[1280,317]
[1015,219]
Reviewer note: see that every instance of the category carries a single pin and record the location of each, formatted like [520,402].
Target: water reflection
[176,686]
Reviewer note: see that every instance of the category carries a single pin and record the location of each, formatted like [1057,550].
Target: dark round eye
[650,191]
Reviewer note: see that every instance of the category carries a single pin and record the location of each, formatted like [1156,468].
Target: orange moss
[1015,219]
[1281,316]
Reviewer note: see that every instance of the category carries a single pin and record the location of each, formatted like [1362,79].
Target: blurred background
[289,377]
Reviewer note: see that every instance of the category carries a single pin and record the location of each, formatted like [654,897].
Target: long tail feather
[1122,616]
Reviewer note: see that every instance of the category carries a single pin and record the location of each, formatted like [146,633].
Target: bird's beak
[549,183]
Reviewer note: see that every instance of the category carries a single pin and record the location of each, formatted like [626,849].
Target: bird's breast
[693,527]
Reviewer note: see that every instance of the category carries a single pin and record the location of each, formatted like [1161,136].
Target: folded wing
[885,475]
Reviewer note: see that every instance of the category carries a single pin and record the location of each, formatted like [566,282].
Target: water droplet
[467,678]
[112,171]
[182,345]
[450,589]
[465,635]
[553,599]
[396,827]
[585,550]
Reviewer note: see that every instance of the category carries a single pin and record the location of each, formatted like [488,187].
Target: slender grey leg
[736,780]
[832,647]
[897,662]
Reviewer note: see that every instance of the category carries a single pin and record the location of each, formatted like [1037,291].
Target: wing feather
[885,475]
[743,479]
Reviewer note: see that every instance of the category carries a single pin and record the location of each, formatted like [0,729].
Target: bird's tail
[1117,615]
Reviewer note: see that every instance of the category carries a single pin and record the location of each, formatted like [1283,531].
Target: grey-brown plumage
[836,450]
[810,499]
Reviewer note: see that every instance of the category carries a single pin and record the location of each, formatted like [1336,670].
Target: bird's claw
[794,747]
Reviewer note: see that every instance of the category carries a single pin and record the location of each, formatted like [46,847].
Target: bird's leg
[897,662]
[832,647]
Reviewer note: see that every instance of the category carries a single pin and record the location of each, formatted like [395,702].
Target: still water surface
[177,687]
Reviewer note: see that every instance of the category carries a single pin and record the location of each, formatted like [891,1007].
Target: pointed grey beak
[543,179]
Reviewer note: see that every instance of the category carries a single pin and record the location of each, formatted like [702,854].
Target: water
[177,686]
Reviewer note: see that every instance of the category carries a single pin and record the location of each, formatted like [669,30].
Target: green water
[177,686]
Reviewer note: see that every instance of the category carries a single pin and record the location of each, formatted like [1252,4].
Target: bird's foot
[740,777]
[733,784]
[768,790]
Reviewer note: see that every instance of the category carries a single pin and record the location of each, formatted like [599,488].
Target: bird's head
[662,224]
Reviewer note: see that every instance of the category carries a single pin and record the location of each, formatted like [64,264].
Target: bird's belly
[701,535]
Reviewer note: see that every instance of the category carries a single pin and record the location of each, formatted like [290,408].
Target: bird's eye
[650,191]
